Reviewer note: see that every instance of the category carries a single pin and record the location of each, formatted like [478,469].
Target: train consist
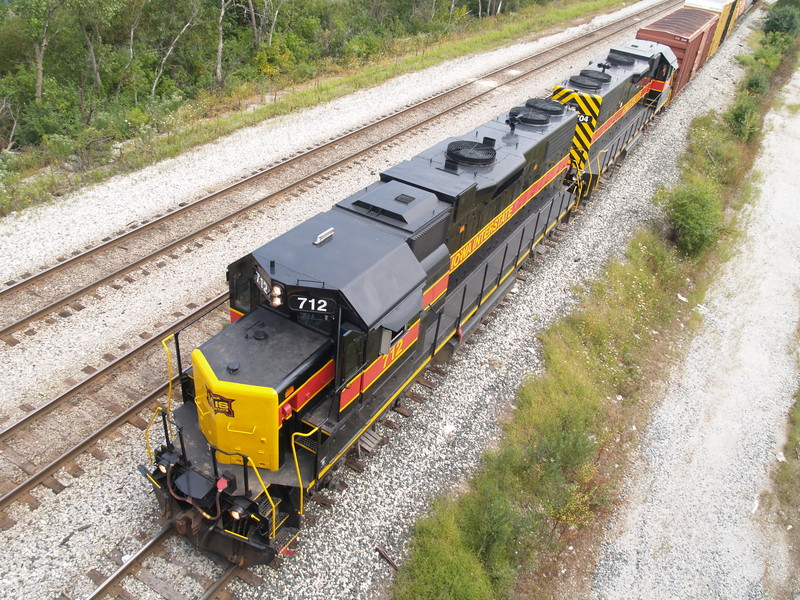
[332,320]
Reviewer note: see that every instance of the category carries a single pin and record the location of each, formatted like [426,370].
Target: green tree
[783,19]
[38,17]
[93,18]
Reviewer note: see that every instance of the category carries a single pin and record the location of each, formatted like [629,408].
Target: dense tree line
[103,68]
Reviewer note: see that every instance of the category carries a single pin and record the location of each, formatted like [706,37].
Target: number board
[262,282]
[306,303]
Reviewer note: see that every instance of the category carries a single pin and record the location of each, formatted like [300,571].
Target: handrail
[147,447]
[247,461]
[599,168]
[297,464]
[169,375]
[267,494]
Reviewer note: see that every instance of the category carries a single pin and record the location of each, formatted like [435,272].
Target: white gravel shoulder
[37,236]
[693,525]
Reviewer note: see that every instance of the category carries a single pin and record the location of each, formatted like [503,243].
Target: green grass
[212,116]
[788,473]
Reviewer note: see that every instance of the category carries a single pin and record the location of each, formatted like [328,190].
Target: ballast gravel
[431,453]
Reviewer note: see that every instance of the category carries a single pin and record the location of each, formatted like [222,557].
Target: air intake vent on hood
[620,60]
[529,116]
[598,75]
[551,107]
[471,153]
[587,83]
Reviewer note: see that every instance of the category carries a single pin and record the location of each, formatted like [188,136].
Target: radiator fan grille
[471,153]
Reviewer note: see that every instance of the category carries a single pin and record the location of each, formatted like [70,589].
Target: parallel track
[135,565]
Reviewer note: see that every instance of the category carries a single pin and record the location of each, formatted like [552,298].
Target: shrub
[491,525]
[441,563]
[694,213]
[781,41]
[56,146]
[792,3]
[757,82]
[744,118]
[783,19]
[768,56]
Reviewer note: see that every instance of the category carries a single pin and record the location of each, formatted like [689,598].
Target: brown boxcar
[688,32]
[724,10]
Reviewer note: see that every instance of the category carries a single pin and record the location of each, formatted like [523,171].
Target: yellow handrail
[599,169]
[297,464]
[169,380]
[266,493]
[147,435]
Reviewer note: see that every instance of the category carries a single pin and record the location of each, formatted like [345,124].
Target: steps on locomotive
[307,443]
[284,537]
[264,506]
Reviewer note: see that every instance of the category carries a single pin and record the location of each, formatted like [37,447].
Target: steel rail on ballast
[64,396]
[220,583]
[147,549]
[587,39]
[126,566]
[42,473]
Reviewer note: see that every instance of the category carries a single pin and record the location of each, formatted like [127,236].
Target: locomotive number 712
[311,304]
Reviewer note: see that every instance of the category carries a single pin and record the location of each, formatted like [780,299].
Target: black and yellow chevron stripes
[588,106]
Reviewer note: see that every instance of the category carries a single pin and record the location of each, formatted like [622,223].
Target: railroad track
[213,577]
[60,290]
[143,569]
[120,392]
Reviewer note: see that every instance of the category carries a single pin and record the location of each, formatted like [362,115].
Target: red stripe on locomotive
[361,382]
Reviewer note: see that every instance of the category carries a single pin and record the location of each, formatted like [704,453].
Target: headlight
[276,295]
[240,508]
[167,460]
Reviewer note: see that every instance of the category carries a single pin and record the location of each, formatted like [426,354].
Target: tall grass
[547,480]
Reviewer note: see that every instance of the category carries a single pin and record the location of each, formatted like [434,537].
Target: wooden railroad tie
[436,369]
[354,464]
[389,424]
[322,500]
[426,383]
[158,585]
[6,522]
[403,410]
[415,396]
[249,577]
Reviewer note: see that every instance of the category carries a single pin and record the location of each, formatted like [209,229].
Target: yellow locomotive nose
[236,417]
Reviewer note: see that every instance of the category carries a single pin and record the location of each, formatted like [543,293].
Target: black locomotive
[335,318]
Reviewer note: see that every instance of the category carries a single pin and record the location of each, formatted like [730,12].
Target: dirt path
[693,525]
